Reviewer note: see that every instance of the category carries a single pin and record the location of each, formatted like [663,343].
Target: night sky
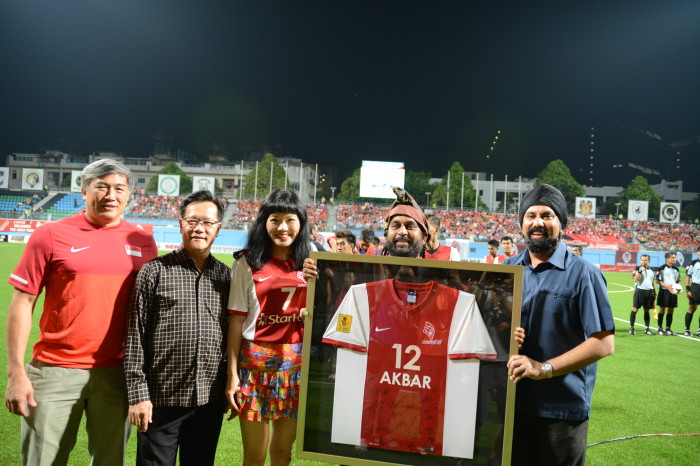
[338,82]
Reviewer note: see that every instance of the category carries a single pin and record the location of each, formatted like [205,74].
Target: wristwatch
[547,369]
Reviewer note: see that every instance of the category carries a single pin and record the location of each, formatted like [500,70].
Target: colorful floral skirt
[270,375]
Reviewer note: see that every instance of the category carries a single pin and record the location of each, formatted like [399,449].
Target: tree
[418,183]
[350,189]
[557,174]
[171,169]
[263,177]
[65,182]
[439,196]
[639,189]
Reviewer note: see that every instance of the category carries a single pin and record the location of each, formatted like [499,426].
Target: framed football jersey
[405,361]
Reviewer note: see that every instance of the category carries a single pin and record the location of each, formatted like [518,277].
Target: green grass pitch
[649,386]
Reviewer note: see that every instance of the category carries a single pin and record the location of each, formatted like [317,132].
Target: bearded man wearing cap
[566,326]
[406,228]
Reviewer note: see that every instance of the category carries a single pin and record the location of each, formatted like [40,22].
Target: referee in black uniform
[643,294]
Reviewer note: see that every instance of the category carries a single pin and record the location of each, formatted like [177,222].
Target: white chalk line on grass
[627,290]
[643,326]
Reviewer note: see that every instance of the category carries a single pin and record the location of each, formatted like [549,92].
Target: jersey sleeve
[469,337]
[239,298]
[350,325]
[31,270]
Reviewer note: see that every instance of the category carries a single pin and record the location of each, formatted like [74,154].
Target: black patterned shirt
[176,342]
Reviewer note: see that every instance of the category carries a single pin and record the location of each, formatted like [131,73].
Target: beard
[413,250]
[543,245]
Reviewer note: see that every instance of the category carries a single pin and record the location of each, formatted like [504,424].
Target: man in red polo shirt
[86,264]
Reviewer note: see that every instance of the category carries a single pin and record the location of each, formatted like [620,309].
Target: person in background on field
[365,245]
[643,277]
[345,242]
[86,264]
[667,276]
[313,229]
[567,325]
[692,290]
[492,257]
[435,250]
[266,305]
[377,245]
[576,249]
[507,247]
[175,357]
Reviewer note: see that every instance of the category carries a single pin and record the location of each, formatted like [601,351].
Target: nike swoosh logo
[263,279]
[72,249]
[377,329]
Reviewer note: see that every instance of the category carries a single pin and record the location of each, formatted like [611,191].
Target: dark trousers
[194,430]
[544,441]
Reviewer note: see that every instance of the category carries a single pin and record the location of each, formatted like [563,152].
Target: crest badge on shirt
[132,250]
[344,323]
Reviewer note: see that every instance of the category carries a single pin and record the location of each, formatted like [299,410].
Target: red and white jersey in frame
[407,369]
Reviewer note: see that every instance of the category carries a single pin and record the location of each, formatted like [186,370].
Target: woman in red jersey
[266,306]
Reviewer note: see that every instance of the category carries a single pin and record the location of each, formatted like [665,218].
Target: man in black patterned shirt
[175,356]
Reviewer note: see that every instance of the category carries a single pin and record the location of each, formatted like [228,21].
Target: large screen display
[377,178]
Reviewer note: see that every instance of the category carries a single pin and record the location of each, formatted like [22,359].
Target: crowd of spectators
[245,211]
[150,206]
[654,236]
[365,216]
[484,226]
[462,224]
[157,207]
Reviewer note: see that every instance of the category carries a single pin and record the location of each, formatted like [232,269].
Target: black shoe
[649,332]
[661,332]
[687,333]
[698,334]
[669,333]
[632,332]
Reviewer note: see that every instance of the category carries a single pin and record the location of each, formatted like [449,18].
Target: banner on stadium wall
[638,210]
[585,207]
[626,258]
[670,212]
[33,178]
[202,183]
[168,185]
[4,177]
[75,181]
[219,249]
[20,226]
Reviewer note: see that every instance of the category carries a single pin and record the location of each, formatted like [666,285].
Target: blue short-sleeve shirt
[565,300]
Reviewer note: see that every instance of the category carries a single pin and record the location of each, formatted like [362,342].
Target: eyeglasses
[193,222]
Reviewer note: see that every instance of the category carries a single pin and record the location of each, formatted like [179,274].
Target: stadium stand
[483,226]
[460,224]
[64,205]
[245,211]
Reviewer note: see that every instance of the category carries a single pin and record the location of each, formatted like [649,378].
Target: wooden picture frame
[413,418]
